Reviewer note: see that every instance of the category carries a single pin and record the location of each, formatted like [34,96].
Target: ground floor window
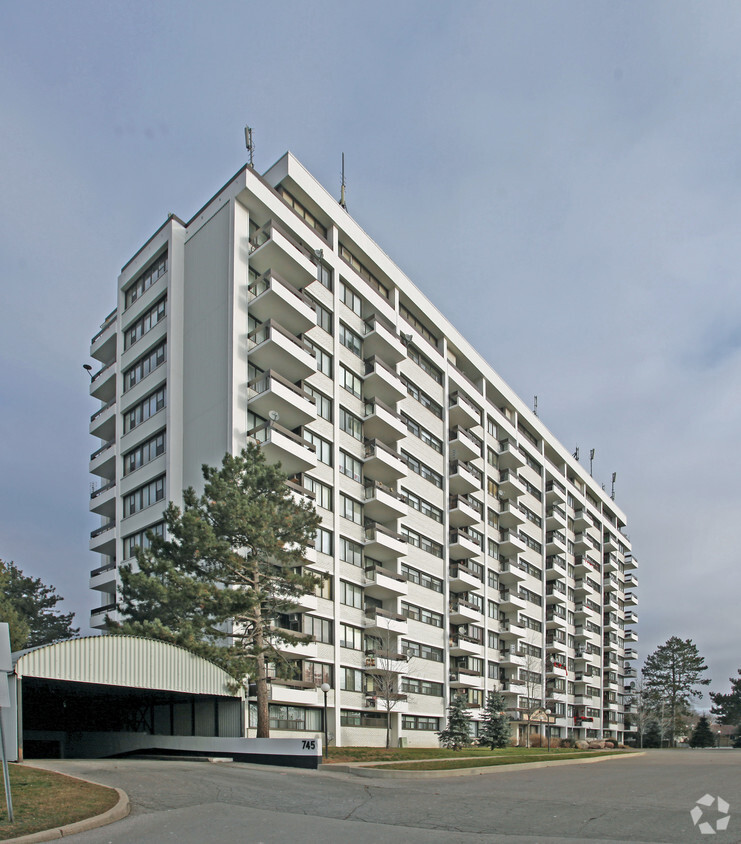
[353,718]
[419,722]
[290,717]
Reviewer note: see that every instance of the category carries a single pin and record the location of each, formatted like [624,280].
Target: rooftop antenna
[591,460]
[535,405]
[612,494]
[250,144]
[576,454]
[343,203]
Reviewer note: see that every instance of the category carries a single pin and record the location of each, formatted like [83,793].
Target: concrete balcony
[610,563]
[609,542]
[273,248]
[459,380]
[103,345]
[279,445]
[554,594]
[271,392]
[270,297]
[511,572]
[377,703]
[103,578]
[463,612]
[384,584]
[300,494]
[462,445]
[610,622]
[382,503]
[555,567]
[463,579]
[511,630]
[98,614]
[379,661]
[555,518]
[510,543]
[631,562]
[584,564]
[631,617]
[465,678]
[512,658]
[510,602]
[381,382]
[380,339]
[556,648]
[631,581]
[304,648]
[510,485]
[464,511]
[383,463]
[103,382]
[383,622]
[103,499]
[103,421]
[582,519]
[630,653]
[463,478]
[461,546]
[103,539]
[555,492]
[382,543]
[295,693]
[462,645]
[611,583]
[631,636]
[555,542]
[381,422]
[270,346]
[630,599]
[582,634]
[514,687]
[553,621]
[510,515]
[103,460]
[510,457]
[556,669]
[462,411]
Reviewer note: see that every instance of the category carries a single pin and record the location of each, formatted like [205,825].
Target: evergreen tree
[226,578]
[671,674]
[652,735]
[702,735]
[495,728]
[737,737]
[28,605]
[728,706]
[456,733]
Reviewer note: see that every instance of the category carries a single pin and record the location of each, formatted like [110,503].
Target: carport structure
[107,695]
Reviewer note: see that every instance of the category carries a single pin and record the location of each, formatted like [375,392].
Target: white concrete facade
[468,549]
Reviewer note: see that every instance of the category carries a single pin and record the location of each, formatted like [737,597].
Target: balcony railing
[101,489]
[105,608]
[102,529]
[264,331]
[103,569]
[264,234]
[103,448]
[107,323]
[102,410]
[267,280]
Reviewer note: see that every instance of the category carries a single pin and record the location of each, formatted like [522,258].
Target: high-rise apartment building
[468,550]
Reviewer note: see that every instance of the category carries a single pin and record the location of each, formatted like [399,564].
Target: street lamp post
[548,728]
[325,687]
[719,732]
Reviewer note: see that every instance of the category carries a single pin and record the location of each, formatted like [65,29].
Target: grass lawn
[44,800]
[503,756]
[492,760]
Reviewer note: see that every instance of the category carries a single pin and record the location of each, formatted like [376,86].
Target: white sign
[6,664]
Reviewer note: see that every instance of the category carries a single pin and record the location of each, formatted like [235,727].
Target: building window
[412,685]
[423,506]
[145,280]
[322,629]
[421,614]
[351,382]
[323,359]
[145,323]
[350,509]
[351,637]
[350,340]
[424,363]
[418,325]
[420,722]
[144,453]
[422,542]
[323,403]
[351,595]
[146,408]
[302,211]
[323,317]
[322,492]
[419,395]
[145,365]
[416,649]
[323,541]
[351,680]
[144,497]
[350,424]
[363,271]
[140,539]
[415,428]
[350,466]
[421,578]
[323,448]
[351,299]
[423,470]
[351,552]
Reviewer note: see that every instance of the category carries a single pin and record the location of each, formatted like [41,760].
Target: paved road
[642,799]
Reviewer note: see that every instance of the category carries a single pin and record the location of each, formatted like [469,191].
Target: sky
[560,179]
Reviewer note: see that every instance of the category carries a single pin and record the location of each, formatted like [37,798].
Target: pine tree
[671,674]
[737,737]
[28,605]
[495,728]
[652,736]
[728,706]
[702,735]
[456,733]
[228,574]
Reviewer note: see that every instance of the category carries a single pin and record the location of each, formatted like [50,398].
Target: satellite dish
[274,415]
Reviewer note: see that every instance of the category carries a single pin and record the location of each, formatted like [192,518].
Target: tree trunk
[388,726]
[263,713]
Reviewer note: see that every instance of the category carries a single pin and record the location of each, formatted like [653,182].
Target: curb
[116,813]
[359,771]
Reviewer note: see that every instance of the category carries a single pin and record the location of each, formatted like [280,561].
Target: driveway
[640,799]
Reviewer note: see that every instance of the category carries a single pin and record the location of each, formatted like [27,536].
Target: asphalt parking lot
[646,798]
